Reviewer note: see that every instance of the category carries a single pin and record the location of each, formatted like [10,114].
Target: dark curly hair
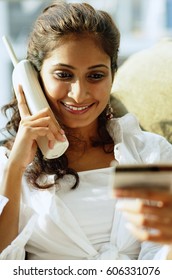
[55,23]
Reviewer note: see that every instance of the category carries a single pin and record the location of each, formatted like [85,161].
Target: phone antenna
[10,51]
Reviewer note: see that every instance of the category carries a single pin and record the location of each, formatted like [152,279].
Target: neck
[83,134]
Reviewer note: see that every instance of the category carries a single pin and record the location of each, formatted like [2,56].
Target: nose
[78,91]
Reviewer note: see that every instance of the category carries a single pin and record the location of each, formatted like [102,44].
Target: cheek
[55,92]
[103,93]
[53,89]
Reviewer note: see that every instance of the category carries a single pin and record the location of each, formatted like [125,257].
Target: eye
[96,76]
[62,75]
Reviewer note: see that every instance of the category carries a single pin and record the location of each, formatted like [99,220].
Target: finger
[31,121]
[144,234]
[58,132]
[53,124]
[161,211]
[131,205]
[22,105]
[139,206]
[53,130]
[164,196]
[34,131]
[150,221]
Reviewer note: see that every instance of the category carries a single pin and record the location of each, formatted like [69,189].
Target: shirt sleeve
[3,201]
[16,250]
[166,150]
[154,251]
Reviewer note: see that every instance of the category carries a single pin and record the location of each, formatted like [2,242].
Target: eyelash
[96,76]
[67,76]
[63,75]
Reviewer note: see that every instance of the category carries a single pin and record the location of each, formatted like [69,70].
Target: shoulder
[4,153]
[149,146]
[125,125]
[128,125]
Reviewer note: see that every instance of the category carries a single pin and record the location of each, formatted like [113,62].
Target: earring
[109,112]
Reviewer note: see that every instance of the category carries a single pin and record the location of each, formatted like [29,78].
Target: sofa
[143,86]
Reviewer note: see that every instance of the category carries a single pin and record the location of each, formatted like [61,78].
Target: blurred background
[141,22]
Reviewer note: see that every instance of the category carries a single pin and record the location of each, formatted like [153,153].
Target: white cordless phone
[25,75]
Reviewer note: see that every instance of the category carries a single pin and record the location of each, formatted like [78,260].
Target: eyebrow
[72,67]
[97,66]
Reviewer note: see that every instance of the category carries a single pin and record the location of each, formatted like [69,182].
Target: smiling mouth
[77,108]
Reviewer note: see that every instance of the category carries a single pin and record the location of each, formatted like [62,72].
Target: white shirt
[60,223]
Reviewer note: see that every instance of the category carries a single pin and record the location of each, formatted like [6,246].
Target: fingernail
[62,132]
[51,144]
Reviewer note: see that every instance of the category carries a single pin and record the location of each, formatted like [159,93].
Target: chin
[77,124]
[72,125]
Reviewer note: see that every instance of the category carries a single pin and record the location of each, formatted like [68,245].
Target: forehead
[78,49]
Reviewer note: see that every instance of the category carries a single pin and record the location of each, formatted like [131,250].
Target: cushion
[143,85]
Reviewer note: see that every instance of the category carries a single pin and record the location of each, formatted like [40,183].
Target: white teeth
[76,108]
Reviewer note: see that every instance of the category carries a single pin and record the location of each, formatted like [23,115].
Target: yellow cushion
[143,84]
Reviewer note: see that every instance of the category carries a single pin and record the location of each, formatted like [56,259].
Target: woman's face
[77,81]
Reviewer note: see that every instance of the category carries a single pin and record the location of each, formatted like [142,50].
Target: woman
[61,208]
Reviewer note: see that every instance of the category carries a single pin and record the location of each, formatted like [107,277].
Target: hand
[149,213]
[31,127]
